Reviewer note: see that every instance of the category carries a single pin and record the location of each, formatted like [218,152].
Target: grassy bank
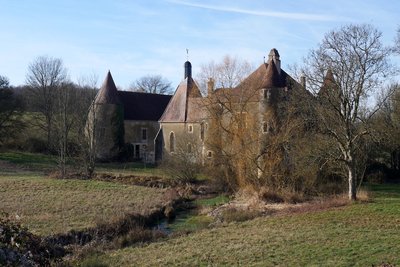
[48,206]
[360,234]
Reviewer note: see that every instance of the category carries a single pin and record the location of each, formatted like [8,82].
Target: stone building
[121,117]
[158,124]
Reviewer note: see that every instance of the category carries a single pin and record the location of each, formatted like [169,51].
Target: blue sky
[136,38]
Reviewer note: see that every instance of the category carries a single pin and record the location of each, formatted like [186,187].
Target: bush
[181,167]
[238,215]
[138,235]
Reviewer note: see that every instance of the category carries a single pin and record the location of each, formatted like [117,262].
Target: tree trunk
[352,182]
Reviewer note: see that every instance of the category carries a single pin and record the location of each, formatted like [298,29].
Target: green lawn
[360,234]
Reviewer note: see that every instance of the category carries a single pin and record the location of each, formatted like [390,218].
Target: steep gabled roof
[143,106]
[179,108]
[108,93]
[266,76]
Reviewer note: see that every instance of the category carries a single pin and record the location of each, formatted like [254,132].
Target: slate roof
[265,76]
[185,104]
[143,106]
[108,93]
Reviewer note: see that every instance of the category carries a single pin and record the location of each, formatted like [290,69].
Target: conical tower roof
[108,93]
[328,83]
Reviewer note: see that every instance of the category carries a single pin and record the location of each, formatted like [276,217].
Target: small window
[265,127]
[190,128]
[189,148]
[209,154]
[202,131]
[144,134]
[267,94]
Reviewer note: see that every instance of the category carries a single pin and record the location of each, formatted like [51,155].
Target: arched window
[172,142]
[189,148]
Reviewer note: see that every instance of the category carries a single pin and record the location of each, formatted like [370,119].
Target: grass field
[360,234]
[47,206]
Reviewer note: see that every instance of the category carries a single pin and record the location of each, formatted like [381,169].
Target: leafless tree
[65,106]
[227,73]
[45,74]
[154,84]
[357,65]
[83,113]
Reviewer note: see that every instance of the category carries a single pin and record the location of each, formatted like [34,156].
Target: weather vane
[187,54]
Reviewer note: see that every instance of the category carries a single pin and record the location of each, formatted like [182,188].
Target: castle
[155,125]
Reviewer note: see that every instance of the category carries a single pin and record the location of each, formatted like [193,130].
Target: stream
[193,217]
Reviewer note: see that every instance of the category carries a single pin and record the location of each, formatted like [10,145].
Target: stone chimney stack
[303,81]
[210,86]
[274,55]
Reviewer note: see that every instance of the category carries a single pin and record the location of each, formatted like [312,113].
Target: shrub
[239,215]
[138,235]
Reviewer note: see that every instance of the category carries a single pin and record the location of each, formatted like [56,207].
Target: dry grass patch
[49,206]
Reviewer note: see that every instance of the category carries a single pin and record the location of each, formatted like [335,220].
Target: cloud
[282,15]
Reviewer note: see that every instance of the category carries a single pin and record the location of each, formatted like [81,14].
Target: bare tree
[45,74]
[65,106]
[227,73]
[357,65]
[86,125]
[154,84]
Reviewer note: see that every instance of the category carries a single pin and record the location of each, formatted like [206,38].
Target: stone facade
[156,124]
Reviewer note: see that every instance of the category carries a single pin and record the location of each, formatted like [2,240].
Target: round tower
[107,121]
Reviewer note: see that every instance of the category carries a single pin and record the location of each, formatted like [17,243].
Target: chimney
[303,81]
[210,86]
[188,70]
[274,55]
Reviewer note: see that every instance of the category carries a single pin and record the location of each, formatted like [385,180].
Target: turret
[106,118]
[188,70]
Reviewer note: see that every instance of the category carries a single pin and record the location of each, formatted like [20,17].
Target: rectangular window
[267,95]
[190,128]
[265,127]
[144,134]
